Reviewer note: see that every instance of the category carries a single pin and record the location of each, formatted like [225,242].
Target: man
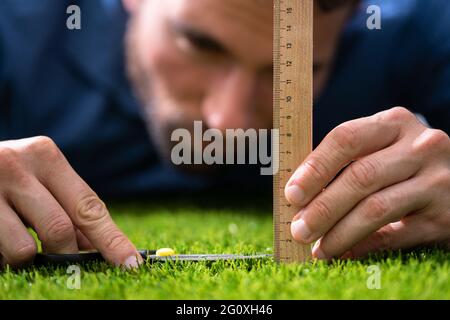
[211,60]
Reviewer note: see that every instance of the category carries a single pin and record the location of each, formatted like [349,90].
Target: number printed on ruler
[292,114]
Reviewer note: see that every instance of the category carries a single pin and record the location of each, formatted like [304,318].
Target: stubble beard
[159,125]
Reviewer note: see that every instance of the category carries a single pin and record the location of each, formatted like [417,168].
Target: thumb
[403,234]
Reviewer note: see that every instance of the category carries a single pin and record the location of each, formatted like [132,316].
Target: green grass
[421,274]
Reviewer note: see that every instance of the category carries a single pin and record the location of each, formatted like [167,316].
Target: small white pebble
[165,252]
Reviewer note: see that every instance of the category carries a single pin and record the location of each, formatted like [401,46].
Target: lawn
[423,274]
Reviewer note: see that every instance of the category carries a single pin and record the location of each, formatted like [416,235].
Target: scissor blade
[148,255]
[207,257]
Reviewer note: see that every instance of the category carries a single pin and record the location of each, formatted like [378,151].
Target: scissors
[148,255]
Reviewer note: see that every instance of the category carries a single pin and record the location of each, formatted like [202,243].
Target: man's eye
[204,44]
[197,41]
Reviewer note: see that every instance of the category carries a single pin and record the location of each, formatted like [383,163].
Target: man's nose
[231,102]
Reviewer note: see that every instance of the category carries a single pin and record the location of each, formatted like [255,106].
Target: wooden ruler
[292,114]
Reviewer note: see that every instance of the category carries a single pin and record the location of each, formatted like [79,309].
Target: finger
[17,246]
[347,142]
[378,210]
[36,205]
[88,213]
[359,180]
[405,234]
[83,242]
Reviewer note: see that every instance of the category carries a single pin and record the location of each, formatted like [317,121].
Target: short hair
[330,5]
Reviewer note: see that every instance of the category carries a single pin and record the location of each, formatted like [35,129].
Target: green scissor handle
[42,259]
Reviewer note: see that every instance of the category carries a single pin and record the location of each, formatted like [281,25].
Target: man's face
[210,60]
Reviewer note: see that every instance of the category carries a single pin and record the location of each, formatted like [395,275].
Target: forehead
[241,25]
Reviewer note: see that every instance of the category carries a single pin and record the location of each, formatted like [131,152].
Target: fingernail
[295,195]
[316,245]
[133,262]
[319,254]
[300,231]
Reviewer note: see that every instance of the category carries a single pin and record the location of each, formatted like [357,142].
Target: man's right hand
[39,189]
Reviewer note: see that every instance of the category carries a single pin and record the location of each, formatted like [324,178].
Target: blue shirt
[406,63]
[72,86]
